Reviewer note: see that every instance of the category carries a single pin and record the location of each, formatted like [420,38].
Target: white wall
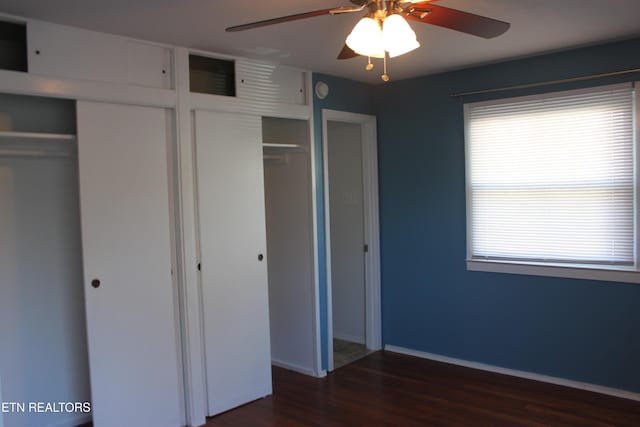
[347,230]
[42,319]
[290,245]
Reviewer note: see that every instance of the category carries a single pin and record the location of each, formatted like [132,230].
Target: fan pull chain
[385,76]
[369,66]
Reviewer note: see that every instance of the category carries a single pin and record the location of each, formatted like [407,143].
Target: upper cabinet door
[61,51]
[271,83]
[131,315]
[234,271]
[148,65]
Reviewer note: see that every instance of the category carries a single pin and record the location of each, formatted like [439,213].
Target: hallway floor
[345,352]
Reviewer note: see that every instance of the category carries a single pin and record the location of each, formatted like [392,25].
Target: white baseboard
[294,367]
[516,373]
[73,422]
[350,338]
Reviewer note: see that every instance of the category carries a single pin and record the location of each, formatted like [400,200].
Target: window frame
[613,273]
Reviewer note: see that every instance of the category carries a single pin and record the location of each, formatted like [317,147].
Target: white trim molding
[296,368]
[625,394]
[19,83]
[192,323]
[373,310]
[547,270]
[317,329]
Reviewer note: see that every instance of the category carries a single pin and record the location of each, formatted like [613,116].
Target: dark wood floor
[387,389]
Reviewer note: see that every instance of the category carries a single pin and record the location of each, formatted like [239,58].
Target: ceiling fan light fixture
[398,37]
[366,38]
[406,48]
[384,32]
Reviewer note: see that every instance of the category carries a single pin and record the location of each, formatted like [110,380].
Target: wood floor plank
[389,389]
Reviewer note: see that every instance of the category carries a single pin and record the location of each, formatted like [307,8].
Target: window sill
[615,274]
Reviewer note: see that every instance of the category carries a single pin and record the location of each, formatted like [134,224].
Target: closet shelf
[278,145]
[37,135]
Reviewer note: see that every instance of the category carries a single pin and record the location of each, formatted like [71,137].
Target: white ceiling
[537,26]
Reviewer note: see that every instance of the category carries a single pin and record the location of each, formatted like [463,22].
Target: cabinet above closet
[60,51]
[38,57]
[261,82]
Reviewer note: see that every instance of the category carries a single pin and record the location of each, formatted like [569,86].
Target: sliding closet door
[234,270]
[124,198]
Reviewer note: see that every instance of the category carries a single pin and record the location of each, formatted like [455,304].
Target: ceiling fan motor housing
[380,9]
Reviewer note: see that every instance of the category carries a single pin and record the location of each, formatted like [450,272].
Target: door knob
[260,257]
[95,283]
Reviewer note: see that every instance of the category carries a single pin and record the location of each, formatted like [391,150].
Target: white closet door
[234,266]
[124,198]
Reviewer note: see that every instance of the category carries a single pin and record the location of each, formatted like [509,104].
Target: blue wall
[577,329]
[344,95]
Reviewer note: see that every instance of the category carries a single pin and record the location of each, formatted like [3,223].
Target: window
[551,184]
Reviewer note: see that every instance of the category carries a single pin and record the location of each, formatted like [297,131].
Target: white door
[234,266]
[124,199]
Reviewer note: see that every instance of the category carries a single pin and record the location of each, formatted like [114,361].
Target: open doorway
[288,186]
[352,236]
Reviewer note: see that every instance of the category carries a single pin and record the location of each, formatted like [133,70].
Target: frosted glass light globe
[366,38]
[397,36]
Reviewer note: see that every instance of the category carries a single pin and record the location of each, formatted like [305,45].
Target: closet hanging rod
[546,83]
[37,135]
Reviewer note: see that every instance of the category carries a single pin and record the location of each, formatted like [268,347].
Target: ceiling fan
[384,31]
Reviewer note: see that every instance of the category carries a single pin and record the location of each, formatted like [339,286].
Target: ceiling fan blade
[453,19]
[347,53]
[282,19]
[424,2]
[347,9]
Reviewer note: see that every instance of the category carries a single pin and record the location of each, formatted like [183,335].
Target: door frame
[373,309]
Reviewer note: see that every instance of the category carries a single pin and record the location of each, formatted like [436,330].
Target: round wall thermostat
[322,90]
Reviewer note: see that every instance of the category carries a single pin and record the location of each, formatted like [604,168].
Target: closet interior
[289,225]
[42,311]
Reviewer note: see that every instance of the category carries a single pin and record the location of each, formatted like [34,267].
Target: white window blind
[551,178]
